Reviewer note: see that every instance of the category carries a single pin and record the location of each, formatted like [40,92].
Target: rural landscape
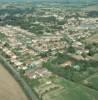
[49,50]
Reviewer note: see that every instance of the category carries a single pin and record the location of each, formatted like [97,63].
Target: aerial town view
[48,49]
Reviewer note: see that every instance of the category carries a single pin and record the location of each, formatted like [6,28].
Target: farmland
[67,90]
[92,81]
[9,88]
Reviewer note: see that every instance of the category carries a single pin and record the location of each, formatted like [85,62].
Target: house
[66,63]
[37,73]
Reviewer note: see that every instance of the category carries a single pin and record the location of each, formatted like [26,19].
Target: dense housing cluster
[53,47]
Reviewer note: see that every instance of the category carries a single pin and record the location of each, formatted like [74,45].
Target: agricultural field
[92,81]
[91,8]
[62,89]
[9,88]
[96,56]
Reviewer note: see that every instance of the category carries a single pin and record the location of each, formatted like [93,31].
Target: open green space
[92,81]
[70,91]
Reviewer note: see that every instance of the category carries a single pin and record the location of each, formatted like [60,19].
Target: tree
[67,39]
[43,54]
[92,49]
[84,55]
[71,49]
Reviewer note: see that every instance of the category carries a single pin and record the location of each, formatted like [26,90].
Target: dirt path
[9,88]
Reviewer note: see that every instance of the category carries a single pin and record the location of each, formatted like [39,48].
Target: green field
[64,90]
[92,81]
[96,56]
[71,91]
